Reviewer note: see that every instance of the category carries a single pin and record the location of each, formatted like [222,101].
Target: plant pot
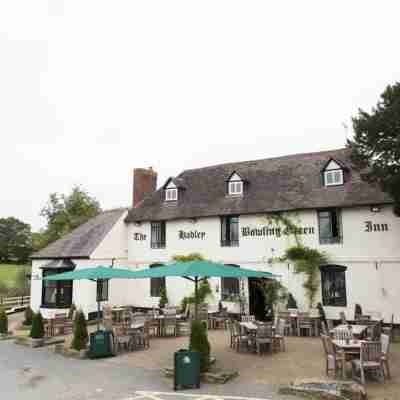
[37,342]
[83,354]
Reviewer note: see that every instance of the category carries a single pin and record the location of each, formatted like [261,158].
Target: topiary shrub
[28,317]
[81,336]
[71,311]
[357,311]
[3,322]
[199,342]
[163,297]
[37,329]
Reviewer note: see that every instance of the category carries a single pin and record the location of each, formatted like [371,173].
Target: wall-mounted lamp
[137,223]
[193,220]
[375,209]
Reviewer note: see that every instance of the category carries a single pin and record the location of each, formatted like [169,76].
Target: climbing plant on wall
[305,259]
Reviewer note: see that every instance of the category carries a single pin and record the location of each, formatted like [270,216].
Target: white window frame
[235,188]
[171,194]
[333,175]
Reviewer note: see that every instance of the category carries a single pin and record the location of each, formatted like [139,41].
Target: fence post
[22,300]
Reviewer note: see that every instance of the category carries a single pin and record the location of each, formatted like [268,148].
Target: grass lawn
[8,273]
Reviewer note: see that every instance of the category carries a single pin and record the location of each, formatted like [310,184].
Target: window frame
[171,194]
[59,286]
[233,282]
[157,283]
[160,242]
[333,172]
[329,274]
[335,224]
[227,231]
[235,185]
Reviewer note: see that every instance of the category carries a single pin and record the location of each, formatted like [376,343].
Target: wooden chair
[305,324]
[60,324]
[263,337]
[285,317]
[279,336]
[169,326]
[121,338]
[107,318]
[370,360]
[385,342]
[374,332]
[154,327]
[335,360]
[240,339]
[342,334]
[388,330]
[142,336]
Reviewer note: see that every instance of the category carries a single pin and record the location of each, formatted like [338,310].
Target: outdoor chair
[329,324]
[169,326]
[154,327]
[285,317]
[121,338]
[385,342]
[305,324]
[279,337]
[61,325]
[248,318]
[141,337]
[370,360]
[107,318]
[232,333]
[342,334]
[239,338]
[388,330]
[263,338]
[335,360]
[374,332]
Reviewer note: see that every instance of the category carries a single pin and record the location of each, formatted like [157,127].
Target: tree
[65,213]
[3,322]
[15,240]
[81,336]
[375,148]
[199,342]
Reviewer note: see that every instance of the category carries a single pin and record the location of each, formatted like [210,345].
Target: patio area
[303,359]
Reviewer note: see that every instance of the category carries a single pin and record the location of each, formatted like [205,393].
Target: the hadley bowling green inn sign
[266,231]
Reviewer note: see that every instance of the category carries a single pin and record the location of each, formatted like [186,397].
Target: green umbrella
[198,270]
[98,274]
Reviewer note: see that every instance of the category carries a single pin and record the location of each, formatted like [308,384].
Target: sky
[90,89]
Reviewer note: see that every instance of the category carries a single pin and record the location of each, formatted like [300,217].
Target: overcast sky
[91,89]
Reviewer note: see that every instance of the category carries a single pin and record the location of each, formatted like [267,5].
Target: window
[329,223]
[157,235]
[333,285]
[171,194]
[56,294]
[102,290]
[333,178]
[236,188]
[156,284]
[230,231]
[230,287]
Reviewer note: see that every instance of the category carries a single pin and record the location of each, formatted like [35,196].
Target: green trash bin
[101,344]
[187,369]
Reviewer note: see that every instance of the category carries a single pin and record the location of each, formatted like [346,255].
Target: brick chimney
[144,183]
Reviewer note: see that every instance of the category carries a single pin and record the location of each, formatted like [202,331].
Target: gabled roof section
[235,176]
[338,162]
[276,184]
[178,182]
[82,241]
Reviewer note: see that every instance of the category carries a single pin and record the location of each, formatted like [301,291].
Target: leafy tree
[81,336]
[376,144]
[3,322]
[199,342]
[37,328]
[64,213]
[15,240]
[274,292]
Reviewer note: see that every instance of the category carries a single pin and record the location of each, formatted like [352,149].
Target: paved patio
[303,359]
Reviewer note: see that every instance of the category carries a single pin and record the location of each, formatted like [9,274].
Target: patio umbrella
[97,274]
[197,271]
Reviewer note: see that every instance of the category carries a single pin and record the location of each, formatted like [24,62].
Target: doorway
[256,299]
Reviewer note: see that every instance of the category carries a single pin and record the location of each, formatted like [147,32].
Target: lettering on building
[192,235]
[276,231]
[139,236]
[371,227]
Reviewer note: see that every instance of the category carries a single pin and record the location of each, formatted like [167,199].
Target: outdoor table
[315,320]
[137,325]
[352,348]
[117,311]
[249,326]
[357,330]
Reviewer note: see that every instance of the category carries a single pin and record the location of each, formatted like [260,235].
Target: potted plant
[199,342]
[37,330]
[80,333]
[163,298]
[28,315]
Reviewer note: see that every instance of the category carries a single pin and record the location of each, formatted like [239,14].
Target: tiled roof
[276,184]
[82,241]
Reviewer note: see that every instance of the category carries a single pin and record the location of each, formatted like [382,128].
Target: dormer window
[171,192]
[235,185]
[333,174]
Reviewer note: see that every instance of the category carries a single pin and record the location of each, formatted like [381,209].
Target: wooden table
[353,348]
[357,330]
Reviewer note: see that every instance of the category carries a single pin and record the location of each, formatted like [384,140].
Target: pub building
[224,213]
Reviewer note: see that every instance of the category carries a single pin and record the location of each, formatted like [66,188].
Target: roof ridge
[288,156]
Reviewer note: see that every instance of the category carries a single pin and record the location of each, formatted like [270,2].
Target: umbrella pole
[98,316]
[195,298]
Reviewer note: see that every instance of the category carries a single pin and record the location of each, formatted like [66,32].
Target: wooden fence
[15,302]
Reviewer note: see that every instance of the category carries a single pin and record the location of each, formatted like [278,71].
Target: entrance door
[256,299]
